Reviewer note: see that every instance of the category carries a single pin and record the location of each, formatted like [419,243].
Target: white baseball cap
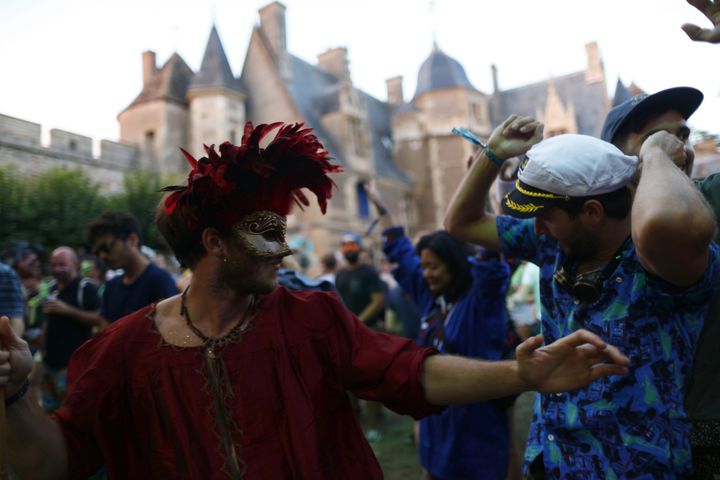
[564,167]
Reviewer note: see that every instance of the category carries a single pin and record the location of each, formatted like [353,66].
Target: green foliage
[13,196]
[54,207]
[140,197]
[50,209]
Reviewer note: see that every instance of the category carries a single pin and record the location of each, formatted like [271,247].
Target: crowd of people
[583,268]
[64,299]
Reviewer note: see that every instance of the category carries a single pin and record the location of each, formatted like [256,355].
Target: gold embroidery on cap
[539,194]
[527,208]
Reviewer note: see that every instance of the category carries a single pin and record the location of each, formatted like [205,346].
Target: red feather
[239,179]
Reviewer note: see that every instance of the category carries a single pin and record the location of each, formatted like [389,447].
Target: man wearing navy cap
[638,272]
[626,126]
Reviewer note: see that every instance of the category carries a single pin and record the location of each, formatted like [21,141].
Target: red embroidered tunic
[149,410]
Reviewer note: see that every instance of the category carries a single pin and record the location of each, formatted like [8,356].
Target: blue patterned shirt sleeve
[631,426]
[517,238]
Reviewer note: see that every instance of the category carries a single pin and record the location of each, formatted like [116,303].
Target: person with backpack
[70,308]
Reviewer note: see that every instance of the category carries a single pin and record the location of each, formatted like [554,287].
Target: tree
[51,209]
[13,195]
[140,197]
[60,203]
[54,208]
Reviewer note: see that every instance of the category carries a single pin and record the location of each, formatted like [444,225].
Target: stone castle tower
[436,160]
[178,107]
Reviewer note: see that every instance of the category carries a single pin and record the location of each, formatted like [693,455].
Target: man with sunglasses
[116,239]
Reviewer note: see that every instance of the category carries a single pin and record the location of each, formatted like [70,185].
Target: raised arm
[466,217]
[672,226]
[398,249]
[384,217]
[37,447]
[711,9]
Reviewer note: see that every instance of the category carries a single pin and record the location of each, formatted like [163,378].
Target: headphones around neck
[587,287]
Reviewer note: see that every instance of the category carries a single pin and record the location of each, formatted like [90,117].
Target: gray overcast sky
[75,64]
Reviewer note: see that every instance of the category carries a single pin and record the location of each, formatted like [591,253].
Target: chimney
[395,90]
[272,22]
[595,71]
[493,69]
[336,62]
[149,66]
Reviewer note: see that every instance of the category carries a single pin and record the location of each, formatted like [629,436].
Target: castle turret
[157,120]
[217,102]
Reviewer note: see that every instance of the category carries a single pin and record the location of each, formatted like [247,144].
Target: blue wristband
[493,156]
[472,138]
[18,395]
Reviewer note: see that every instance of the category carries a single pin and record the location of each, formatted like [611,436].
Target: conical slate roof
[621,93]
[215,69]
[440,70]
[170,82]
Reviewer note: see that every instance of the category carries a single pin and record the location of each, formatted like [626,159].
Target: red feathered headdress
[246,178]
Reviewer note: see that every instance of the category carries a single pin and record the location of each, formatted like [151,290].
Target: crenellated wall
[21,147]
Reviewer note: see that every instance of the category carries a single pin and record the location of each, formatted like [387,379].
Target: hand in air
[569,363]
[711,9]
[515,136]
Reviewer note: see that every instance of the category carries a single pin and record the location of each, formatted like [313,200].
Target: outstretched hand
[569,363]
[515,136]
[711,9]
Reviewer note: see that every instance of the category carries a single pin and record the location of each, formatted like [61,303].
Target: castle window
[362,201]
[149,135]
[72,145]
[358,137]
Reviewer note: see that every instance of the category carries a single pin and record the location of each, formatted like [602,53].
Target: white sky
[75,64]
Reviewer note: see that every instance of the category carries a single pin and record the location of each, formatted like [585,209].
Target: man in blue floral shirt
[643,285]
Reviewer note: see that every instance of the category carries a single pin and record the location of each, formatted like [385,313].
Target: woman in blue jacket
[462,300]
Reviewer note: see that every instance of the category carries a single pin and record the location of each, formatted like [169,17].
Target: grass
[397,454]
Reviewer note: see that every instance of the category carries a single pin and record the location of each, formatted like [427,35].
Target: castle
[404,145]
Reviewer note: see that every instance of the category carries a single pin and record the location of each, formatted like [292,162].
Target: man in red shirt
[239,378]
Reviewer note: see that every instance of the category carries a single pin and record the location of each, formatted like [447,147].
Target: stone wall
[21,148]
